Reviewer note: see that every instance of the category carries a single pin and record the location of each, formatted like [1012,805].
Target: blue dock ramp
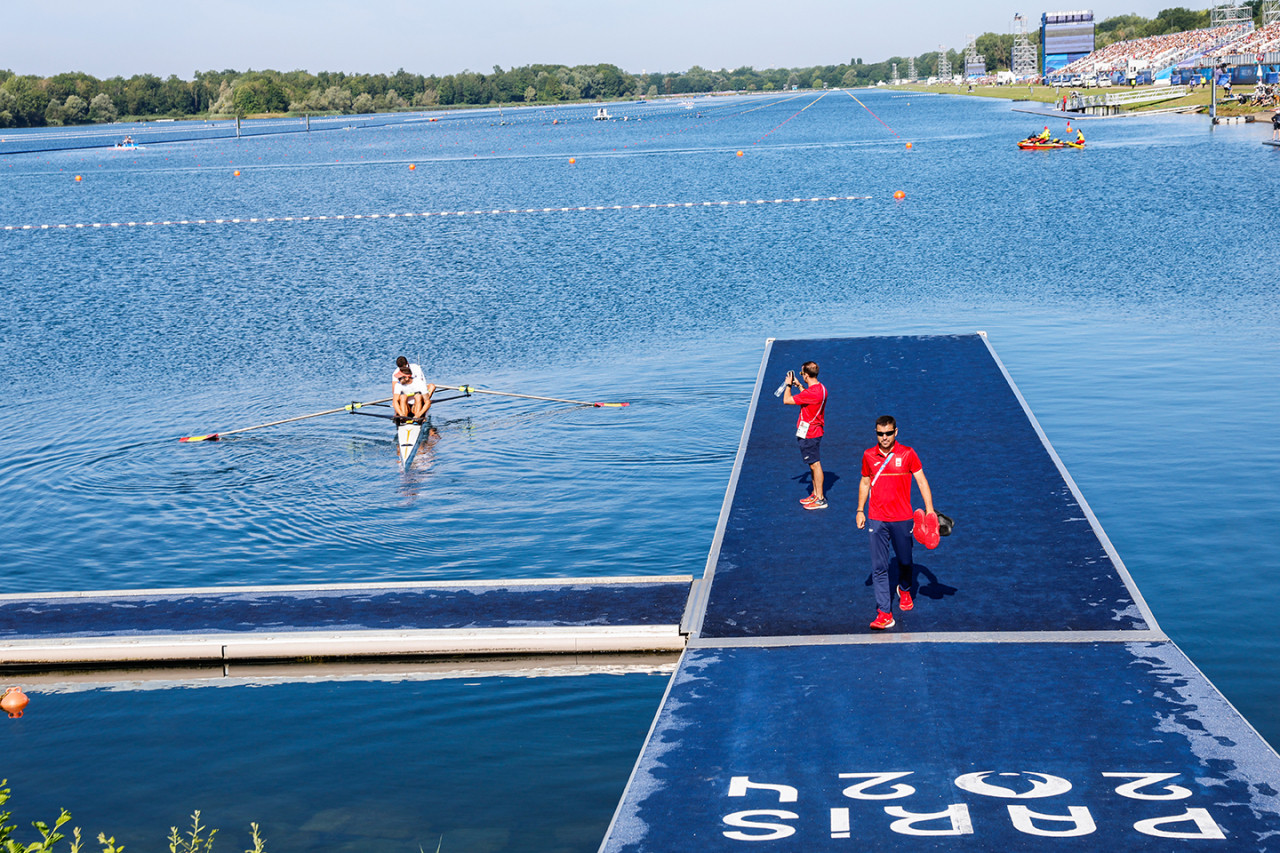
[582,615]
[1028,701]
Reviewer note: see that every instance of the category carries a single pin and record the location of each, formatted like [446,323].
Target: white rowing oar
[350,407]
[468,389]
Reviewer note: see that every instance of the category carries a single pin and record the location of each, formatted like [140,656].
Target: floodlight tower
[1024,61]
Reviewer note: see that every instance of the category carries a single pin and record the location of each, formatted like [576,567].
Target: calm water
[1128,287]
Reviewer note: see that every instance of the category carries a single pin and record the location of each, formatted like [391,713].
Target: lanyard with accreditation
[802,426]
[879,470]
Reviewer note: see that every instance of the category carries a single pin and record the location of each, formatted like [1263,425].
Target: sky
[46,37]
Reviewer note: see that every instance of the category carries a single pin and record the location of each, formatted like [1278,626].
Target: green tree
[1177,20]
[75,110]
[7,106]
[338,99]
[28,103]
[102,109]
[362,104]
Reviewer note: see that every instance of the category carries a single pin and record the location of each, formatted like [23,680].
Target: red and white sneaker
[808,500]
[904,599]
[820,503]
[883,620]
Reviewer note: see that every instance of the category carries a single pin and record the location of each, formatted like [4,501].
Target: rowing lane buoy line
[441,213]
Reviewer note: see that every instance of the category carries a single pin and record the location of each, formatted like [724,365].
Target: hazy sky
[105,39]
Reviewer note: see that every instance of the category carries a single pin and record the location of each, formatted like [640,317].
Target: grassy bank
[1197,100]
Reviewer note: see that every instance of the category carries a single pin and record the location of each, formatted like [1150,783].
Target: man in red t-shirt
[813,405]
[887,472]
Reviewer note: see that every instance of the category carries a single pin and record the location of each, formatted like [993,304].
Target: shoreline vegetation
[198,839]
[77,98]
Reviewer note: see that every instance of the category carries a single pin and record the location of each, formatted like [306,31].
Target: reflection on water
[497,755]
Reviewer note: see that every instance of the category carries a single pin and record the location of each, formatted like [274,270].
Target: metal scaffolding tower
[894,76]
[1024,52]
[975,64]
[1221,16]
[944,64]
[1270,12]
[911,69]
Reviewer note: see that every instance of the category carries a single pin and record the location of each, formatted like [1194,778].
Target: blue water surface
[1128,287]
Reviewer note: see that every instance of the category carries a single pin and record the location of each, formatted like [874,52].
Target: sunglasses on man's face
[890,432]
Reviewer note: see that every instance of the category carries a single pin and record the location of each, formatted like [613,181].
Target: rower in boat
[410,392]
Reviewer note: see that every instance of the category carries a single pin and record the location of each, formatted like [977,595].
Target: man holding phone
[813,404]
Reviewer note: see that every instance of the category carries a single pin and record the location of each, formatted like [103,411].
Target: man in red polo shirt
[813,403]
[887,472]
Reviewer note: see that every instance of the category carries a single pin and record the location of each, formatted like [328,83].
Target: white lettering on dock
[773,824]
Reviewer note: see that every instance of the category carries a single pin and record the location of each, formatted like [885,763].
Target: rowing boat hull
[408,437]
[1039,146]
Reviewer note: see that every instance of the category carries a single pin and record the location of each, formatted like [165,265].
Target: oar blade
[213,437]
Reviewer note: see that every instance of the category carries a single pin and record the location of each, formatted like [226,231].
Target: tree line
[79,98]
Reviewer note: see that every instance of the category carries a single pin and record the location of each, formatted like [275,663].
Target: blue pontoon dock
[1029,701]
[159,626]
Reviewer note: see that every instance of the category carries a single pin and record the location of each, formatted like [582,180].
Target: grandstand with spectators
[1175,57]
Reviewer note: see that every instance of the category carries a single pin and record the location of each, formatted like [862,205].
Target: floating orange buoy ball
[14,701]
[77,177]
[236,173]
[572,160]
[739,153]
[899,195]
[908,145]
[412,167]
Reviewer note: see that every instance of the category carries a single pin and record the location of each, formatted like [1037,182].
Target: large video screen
[1067,32]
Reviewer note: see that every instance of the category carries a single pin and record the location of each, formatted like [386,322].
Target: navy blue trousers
[886,535]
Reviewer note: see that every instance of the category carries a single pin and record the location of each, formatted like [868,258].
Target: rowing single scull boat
[408,439]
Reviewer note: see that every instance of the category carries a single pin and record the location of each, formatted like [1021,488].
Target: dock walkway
[571,615]
[1028,697]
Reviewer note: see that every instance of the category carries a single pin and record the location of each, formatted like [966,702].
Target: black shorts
[809,449]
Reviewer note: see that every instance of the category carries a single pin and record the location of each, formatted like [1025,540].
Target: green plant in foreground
[194,841]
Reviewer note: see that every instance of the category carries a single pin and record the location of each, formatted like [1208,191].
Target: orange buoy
[572,160]
[78,177]
[899,195]
[236,173]
[908,145]
[739,153]
[412,167]
[14,701]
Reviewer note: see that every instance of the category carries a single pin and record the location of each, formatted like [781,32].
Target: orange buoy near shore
[899,195]
[908,146]
[14,701]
